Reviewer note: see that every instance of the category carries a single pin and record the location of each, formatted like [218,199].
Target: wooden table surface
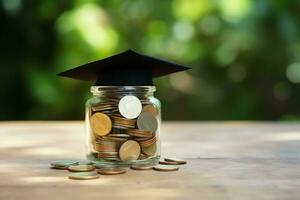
[226,160]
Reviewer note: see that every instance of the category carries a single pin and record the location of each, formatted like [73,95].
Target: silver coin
[83,175]
[63,163]
[130,107]
[165,168]
[150,150]
[147,122]
[81,168]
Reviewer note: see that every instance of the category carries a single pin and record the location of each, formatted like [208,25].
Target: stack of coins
[124,129]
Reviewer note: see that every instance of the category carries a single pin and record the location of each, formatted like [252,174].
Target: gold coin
[100,124]
[149,150]
[130,150]
[123,121]
[111,171]
[63,163]
[83,175]
[102,107]
[114,139]
[179,161]
[148,142]
[81,168]
[118,135]
[139,133]
[168,163]
[141,166]
[165,168]
[151,109]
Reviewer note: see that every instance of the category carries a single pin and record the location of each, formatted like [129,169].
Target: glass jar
[123,125]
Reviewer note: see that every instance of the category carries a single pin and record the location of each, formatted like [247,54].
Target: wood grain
[226,160]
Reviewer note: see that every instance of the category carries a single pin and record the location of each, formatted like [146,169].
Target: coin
[103,107]
[141,166]
[63,164]
[124,121]
[111,171]
[83,175]
[151,109]
[130,150]
[118,135]
[148,142]
[143,156]
[56,167]
[81,168]
[100,124]
[118,139]
[149,150]
[139,133]
[86,163]
[165,168]
[146,121]
[130,107]
[103,165]
[168,163]
[179,161]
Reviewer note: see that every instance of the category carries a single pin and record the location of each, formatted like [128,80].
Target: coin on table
[151,109]
[137,166]
[56,167]
[179,161]
[111,171]
[86,163]
[146,121]
[83,175]
[149,150]
[130,107]
[165,168]
[100,124]
[130,150]
[81,168]
[168,163]
[63,164]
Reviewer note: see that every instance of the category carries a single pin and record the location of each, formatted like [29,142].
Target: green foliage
[244,54]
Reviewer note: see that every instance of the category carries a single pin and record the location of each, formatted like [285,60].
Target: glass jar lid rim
[96,89]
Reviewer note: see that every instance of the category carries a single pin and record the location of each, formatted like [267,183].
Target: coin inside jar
[146,121]
[111,171]
[100,124]
[151,109]
[130,107]
[81,168]
[149,150]
[130,150]
[83,175]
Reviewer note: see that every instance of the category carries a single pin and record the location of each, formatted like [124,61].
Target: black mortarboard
[128,68]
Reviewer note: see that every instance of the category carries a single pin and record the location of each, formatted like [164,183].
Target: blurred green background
[244,54]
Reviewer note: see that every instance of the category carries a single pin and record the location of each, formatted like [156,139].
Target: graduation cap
[128,68]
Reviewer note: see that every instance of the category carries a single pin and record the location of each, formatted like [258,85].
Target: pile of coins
[87,170]
[123,129]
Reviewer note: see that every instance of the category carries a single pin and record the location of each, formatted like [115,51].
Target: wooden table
[226,160]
